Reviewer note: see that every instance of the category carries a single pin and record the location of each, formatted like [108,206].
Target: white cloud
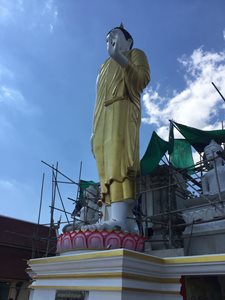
[8,10]
[199,104]
[41,13]
[5,184]
[50,10]
[5,73]
[224,34]
[14,100]
[11,96]
[11,102]
[51,28]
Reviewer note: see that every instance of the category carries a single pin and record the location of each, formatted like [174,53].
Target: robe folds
[117,119]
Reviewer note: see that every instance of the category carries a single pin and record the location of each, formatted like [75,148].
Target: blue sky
[50,54]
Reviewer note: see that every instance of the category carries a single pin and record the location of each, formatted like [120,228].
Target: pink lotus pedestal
[99,240]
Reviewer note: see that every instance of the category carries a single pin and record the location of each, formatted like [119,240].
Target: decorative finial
[121,25]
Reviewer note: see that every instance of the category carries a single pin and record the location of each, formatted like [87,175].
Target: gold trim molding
[132,254]
[119,275]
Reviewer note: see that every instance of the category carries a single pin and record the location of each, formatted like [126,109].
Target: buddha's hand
[115,52]
[113,48]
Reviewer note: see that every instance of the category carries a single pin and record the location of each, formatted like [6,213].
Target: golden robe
[117,121]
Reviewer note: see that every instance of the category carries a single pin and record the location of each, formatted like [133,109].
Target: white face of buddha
[212,149]
[116,39]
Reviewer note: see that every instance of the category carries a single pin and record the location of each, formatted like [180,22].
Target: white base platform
[118,274]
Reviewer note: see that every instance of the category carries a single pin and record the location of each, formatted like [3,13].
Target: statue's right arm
[137,72]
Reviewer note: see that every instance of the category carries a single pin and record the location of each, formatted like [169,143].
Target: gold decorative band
[128,253]
[119,275]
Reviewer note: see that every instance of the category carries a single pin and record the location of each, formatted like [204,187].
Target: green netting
[181,157]
[200,138]
[157,147]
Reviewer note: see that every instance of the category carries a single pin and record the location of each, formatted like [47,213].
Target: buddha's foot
[112,225]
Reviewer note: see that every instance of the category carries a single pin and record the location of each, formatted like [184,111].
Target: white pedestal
[118,274]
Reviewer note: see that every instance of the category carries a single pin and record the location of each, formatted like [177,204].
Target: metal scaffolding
[169,220]
[158,196]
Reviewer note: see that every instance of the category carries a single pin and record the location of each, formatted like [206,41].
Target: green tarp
[200,138]
[157,147]
[181,157]
[83,185]
[179,149]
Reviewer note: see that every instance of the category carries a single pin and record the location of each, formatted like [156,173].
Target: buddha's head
[212,149]
[121,37]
